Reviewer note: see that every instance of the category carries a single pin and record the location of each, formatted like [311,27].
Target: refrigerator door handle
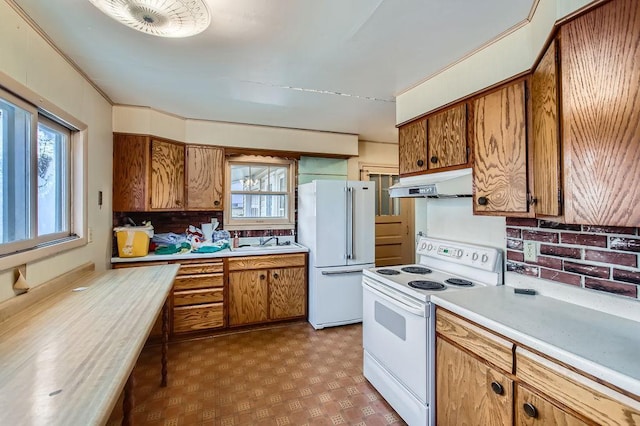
[349,223]
[353,223]
[355,271]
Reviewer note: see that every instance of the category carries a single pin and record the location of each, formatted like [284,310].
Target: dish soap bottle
[236,240]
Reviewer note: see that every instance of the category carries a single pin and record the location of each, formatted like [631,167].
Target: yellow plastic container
[133,241]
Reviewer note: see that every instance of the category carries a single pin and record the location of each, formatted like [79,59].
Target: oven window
[390,320]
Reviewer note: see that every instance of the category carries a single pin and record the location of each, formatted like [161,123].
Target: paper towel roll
[207,231]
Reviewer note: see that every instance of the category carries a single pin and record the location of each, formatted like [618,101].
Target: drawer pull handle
[530,410]
[497,388]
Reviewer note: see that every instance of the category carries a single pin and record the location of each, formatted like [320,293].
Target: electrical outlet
[530,251]
[90,235]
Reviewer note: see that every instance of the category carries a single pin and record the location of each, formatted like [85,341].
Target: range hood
[451,184]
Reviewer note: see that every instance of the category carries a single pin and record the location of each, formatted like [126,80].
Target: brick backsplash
[602,258]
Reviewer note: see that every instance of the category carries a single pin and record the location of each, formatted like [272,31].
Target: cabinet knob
[497,388]
[275,275]
[420,163]
[434,159]
[263,276]
[530,410]
[216,203]
[483,201]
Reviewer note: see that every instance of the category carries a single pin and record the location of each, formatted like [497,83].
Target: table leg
[165,342]
[127,406]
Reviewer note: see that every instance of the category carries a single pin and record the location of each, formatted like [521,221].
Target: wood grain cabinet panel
[447,138]
[204,171]
[131,159]
[287,293]
[464,390]
[197,297]
[546,135]
[412,147]
[188,282]
[500,151]
[198,317]
[531,409]
[600,57]
[248,294]
[167,175]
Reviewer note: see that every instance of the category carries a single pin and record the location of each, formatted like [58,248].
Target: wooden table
[65,360]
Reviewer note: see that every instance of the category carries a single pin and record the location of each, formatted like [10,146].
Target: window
[385,205]
[35,177]
[259,193]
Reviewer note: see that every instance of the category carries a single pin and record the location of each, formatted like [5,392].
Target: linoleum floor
[287,375]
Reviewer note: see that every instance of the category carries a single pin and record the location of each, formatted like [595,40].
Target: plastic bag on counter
[169,239]
[221,235]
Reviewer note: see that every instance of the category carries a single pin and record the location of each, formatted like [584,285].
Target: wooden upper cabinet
[547,183]
[600,57]
[204,176]
[447,138]
[131,158]
[499,136]
[412,147]
[167,175]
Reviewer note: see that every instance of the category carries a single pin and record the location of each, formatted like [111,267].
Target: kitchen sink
[268,247]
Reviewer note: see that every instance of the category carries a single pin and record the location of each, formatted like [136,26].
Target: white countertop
[603,345]
[243,251]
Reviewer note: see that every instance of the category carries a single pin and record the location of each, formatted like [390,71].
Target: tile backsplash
[602,258]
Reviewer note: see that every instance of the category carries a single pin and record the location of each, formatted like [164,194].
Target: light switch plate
[530,251]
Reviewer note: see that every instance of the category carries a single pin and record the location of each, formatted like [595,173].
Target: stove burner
[460,282]
[416,270]
[427,285]
[388,272]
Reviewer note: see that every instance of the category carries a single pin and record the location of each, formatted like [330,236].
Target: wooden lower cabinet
[248,297]
[197,317]
[267,288]
[468,391]
[471,389]
[532,409]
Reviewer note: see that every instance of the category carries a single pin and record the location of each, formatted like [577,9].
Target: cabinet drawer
[200,317]
[197,297]
[266,262]
[575,391]
[188,282]
[201,268]
[484,344]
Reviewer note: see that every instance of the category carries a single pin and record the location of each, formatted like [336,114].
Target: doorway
[394,219]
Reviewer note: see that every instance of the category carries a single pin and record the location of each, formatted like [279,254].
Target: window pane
[53,149]
[258,179]
[15,137]
[384,195]
[258,206]
[278,178]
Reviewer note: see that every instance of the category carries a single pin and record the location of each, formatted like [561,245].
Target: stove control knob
[423,245]
[484,258]
[459,253]
[474,256]
[430,247]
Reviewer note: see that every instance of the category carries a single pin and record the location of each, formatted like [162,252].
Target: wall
[602,258]
[147,121]
[28,59]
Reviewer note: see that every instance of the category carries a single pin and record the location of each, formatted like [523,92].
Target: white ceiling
[280,62]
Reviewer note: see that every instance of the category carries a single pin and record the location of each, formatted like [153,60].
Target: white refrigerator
[336,221]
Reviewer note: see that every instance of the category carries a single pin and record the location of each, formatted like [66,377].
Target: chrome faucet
[264,241]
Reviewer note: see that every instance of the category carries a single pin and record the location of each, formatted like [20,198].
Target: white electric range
[399,324]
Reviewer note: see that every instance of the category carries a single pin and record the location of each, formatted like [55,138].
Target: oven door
[397,333]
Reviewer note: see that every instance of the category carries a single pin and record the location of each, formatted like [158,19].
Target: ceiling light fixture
[163,18]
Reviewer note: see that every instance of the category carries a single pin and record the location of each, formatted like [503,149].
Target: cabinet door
[287,293]
[131,158]
[465,392]
[167,175]
[205,171]
[447,141]
[248,297]
[531,410]
[600,57]
[500,151]
[412,147]
[545,135]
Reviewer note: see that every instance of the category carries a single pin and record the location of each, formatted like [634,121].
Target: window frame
[237,224]
[78,161]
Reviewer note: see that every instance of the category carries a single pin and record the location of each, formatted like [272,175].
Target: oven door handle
[403,303]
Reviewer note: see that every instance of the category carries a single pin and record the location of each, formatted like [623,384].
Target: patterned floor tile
[287,375]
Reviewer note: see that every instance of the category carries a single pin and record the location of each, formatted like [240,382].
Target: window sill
[40,252]
[258,226]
